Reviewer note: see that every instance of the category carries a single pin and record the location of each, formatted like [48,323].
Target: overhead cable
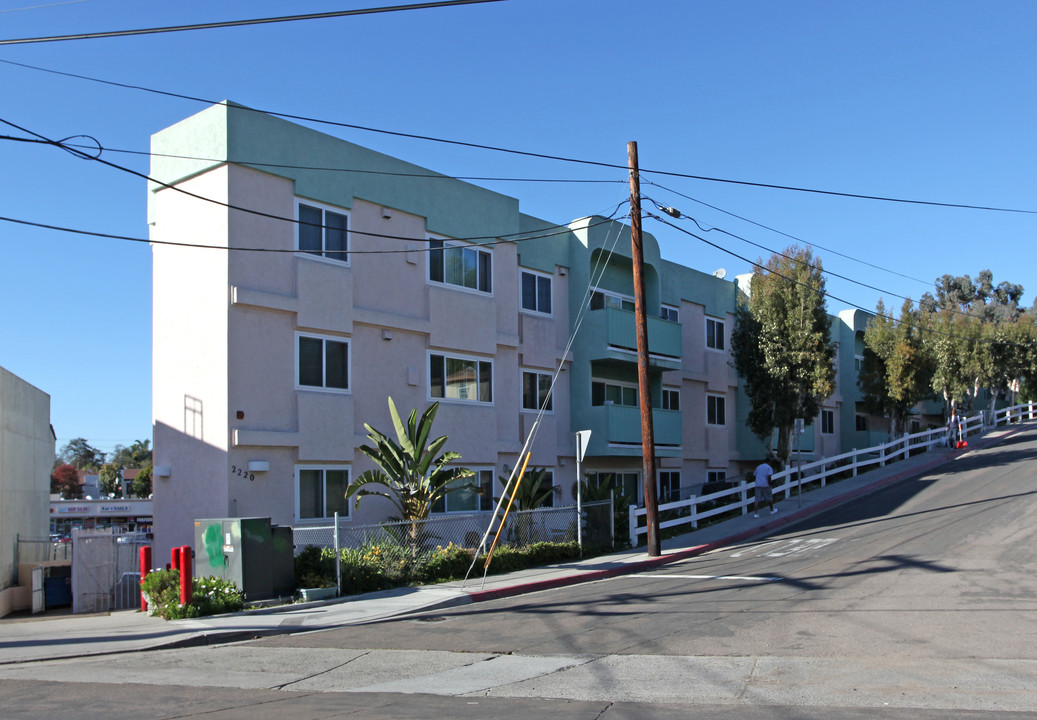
[240,23]
[562,230]
[825,293]
[525,153]
[785,234]
[176,188]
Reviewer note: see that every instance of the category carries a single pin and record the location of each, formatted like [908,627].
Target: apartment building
[301,280]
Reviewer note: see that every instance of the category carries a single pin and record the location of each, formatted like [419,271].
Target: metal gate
[105,571]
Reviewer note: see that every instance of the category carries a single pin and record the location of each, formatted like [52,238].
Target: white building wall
[26,459]
[189,359]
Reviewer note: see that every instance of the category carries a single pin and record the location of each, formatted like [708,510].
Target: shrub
[210,596]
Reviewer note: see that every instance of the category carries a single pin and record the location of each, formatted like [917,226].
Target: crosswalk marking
[782,548]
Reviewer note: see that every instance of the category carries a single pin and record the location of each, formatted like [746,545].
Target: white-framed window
[716,410]
[858,362]
[601,299]
[320,492]
[671,398]
[610,392]
[669,486]
[454,377]
[470,494]
[322,363]
[827,422]
[716,476]
[670,312]
[322,231]
[536,391]
[714,334]
[535,289]
[460,265]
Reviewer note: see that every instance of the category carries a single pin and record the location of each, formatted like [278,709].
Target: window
[612,393]
[320,492]
[536,389]
[322,232]
[460,378]
[323,363]
[716,410]
[470,494]
[669,486]
[861,423]
[601,299]
[714,334]
[716,476]
[536,292]
[916,427]
[858,362]
[827,422]
[461,265]
[671,399]
[669,312]
[625,483]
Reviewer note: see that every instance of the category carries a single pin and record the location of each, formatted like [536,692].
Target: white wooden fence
[740,497]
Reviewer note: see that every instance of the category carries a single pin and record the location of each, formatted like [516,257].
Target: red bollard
[174,559]
[145,568]
[186,575]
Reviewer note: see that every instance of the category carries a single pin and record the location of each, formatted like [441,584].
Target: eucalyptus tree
[897,370]
[781,346]
[413,474]
[981,337]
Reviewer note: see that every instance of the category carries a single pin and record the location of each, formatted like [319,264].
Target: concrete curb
[763,528]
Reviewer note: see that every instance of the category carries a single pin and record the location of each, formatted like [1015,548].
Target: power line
[240,23]
[825,293]
[524,153]
[785,234]
[670,211]
[97,158]
[513,238]
[320,168]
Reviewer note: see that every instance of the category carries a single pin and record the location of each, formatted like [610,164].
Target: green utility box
[256,556]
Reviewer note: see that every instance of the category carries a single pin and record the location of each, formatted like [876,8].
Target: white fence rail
[739,498]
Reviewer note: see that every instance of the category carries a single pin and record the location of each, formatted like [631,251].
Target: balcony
[616,431]
[610,333]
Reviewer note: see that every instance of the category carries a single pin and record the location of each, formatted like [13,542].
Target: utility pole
[641,326]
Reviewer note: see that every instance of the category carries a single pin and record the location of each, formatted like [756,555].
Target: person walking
[763,474]
[954,430]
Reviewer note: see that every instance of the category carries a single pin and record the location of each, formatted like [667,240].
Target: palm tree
[413,473]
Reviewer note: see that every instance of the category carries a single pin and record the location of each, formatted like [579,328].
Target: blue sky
[920,100]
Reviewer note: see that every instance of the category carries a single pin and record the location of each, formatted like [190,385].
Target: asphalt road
[919,601]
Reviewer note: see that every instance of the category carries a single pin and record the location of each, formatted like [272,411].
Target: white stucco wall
[26,459]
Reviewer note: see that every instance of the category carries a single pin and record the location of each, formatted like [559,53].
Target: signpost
[582,438]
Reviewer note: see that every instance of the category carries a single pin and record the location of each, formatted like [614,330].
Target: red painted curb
[592,576]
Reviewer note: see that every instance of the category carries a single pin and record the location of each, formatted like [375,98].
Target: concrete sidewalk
[35,638]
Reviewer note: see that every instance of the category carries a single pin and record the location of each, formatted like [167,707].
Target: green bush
[210,596]
[315,567]
[389,564]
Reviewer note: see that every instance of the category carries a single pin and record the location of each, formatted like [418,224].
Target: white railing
[740,497]
[1016,413]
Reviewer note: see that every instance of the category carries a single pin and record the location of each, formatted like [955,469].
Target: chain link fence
[520,529]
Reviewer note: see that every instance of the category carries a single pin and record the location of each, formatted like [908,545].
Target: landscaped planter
[311,594]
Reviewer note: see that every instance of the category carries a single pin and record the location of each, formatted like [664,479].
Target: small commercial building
[123,515]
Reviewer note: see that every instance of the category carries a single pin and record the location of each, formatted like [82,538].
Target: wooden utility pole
[641,322]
